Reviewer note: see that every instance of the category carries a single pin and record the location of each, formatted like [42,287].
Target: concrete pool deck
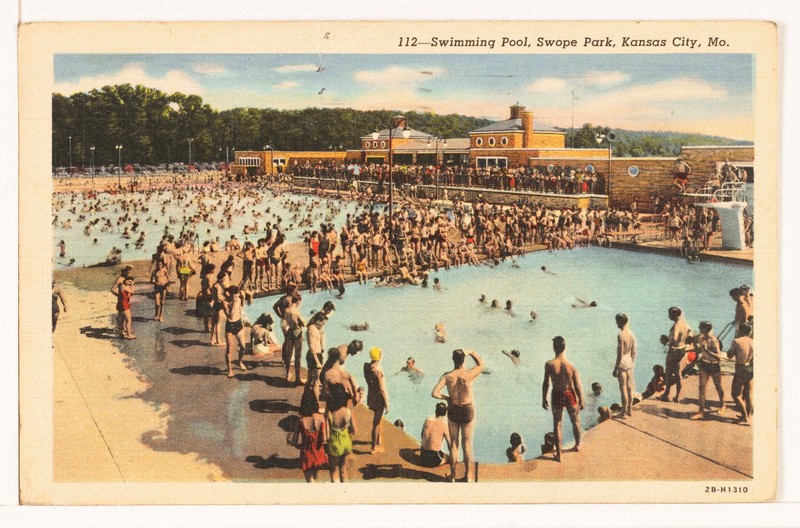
[133,427]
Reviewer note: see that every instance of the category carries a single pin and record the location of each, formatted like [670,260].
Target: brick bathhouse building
[519,141]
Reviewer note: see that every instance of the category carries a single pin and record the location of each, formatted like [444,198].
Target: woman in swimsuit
[234,336]
[125,292]
[185,271]
[342,429]
[57,296]
[161,283]
[312,435]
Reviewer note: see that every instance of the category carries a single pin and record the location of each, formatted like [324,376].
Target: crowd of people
[401,249]
[551,179]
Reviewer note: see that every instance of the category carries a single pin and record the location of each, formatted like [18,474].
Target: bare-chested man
[676,340]
[434,431]
[709,355]
[567,393]
[742,384]
[461,411]
[744,307]
[626,360]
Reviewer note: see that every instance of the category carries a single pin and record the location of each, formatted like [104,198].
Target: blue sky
[703,93]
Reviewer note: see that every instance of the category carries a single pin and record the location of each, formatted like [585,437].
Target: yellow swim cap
[375,354]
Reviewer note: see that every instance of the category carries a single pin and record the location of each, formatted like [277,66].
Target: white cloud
[171,82]
[681,104]
[286,85]
[647,97]
[548,85]
[604,78]
[296,68]
[396,74]
[208,68]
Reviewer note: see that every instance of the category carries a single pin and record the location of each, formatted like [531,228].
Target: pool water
[508,397]
[85,252]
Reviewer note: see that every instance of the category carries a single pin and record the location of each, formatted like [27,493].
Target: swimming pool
[508,399]
[85,252]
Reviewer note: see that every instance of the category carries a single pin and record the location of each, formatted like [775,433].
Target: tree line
[154,127]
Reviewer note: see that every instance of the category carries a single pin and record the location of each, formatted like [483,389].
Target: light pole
[70,155]
[608,138]
[271,158]
[394,123]
[438,140]
[190,149]
[92,149]
[119,166]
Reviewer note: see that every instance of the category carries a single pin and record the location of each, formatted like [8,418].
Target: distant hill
[646,143]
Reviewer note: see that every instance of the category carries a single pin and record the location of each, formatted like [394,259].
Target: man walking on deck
[567,393]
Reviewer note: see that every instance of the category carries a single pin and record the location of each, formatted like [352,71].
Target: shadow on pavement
[274,461]
[186,343]
[393,471]
[175,330]
[273,406]
[99,333]
[289,423]
[204,370]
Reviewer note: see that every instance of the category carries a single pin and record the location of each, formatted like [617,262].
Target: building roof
[398,133]
[421,145]
[515,125]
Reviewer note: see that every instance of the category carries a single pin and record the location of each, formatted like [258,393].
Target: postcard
[520,257]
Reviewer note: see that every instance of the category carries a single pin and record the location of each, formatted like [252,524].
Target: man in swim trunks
[567,393]
[681,171]
[626,359]
[676,340]
[709,352]
[461,411]
[434,431]
[742,384]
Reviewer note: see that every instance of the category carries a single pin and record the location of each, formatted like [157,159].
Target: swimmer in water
[495,304]
[482,299]
[514,355]
[544,269]
[583,304]
[436,285]
[441,333]
[359,328]
[534,315]
[510,308]
[411,368]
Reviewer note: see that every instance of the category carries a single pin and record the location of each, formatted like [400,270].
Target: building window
[491,141]
[278,161]
[490,161]
[479,141]
[383,144]
[504,141]
[250,162]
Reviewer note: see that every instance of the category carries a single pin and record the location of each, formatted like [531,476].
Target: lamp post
[608,138]
[69,170]
[438,140]
[92,149]
[271,157]
[119,166]
[394,123]
[190,149]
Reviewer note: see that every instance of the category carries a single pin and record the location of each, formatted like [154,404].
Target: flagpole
[573,120]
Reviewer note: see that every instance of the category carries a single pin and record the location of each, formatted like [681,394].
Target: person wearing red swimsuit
[311,435]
